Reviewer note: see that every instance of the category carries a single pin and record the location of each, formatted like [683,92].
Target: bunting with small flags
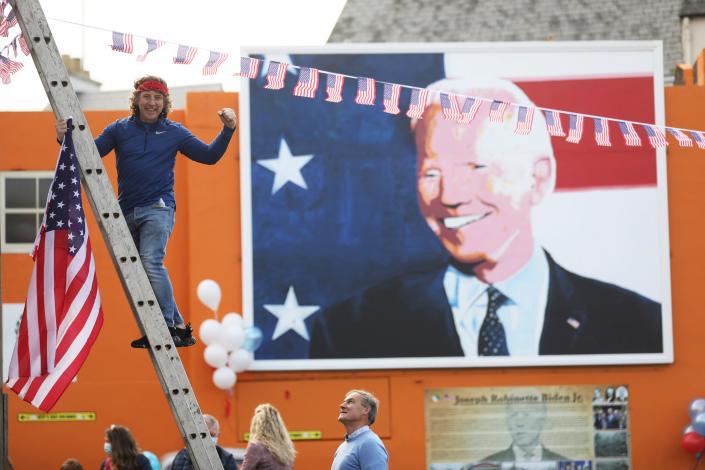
[308,83]
[185,54]
[417,105]
[631,138]
[215,60]
[470,108]
[391,98]
[698,138]
[525,119]
[249,67]
[683,140]
[365,91]
[122,42]
[460,108]
[152,45]
[553,122]
[656,136]
[575,128]
[449,106]
[497,109]
[276,76]
[602,132]
[334,87]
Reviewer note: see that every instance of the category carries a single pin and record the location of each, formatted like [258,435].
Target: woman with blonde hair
[270,447]
[122,450]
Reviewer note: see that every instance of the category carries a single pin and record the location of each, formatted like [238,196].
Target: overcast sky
[221,25]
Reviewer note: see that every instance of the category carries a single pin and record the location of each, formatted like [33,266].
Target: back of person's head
[267,428]
[71,464]
[212,424]
[368,400]
[123,447]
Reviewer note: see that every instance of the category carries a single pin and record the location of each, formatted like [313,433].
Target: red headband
[153,85]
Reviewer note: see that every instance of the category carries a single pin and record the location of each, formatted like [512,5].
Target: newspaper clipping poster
[577,427]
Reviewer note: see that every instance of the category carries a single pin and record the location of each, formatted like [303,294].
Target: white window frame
[4,175]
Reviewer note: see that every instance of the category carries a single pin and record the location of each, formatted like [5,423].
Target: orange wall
[119,384]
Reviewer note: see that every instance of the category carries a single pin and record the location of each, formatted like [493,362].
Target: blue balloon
[699,424]
[696,407]
[153,460]
[253,339]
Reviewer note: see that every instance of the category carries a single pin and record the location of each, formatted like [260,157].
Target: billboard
[374,240]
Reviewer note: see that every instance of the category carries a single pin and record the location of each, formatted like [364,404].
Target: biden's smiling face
[477,203]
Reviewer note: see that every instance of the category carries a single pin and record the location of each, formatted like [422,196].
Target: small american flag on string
[391,98]
[698,138]
[7,23]
[553,122]
[23,45]
[276,75]
[469,111]
[575,128]
[334,87]
[497,109]
[122,42]
[417,104]
[152,45]
[185,55]
[656,136]
[7,68]
[631,138]
[681,137]
[215,60]
[249,67]
[602,132]
[525,119]
[449,106]
[308,83]
[62,315]
[365,91]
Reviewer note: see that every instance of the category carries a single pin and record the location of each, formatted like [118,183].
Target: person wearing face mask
[146,144]
[122,451]
[182,461]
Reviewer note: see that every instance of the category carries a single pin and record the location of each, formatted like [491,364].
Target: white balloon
[209,293]
[232,318]
[224,378]
[215,355]
[240,360]
[210,331]
[232,338]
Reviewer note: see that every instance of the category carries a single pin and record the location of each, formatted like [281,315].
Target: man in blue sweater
[362,448]
[145,147]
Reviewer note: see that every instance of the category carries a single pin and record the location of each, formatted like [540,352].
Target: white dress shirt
[521,315]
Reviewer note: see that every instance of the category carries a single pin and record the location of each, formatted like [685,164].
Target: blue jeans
[150,228]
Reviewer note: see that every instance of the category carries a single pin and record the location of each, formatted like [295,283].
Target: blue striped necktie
[492,340]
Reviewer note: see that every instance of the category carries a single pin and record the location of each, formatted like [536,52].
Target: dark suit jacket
[409,316]
[507,455]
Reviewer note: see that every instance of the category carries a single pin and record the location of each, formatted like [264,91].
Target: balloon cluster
[693,439]
[230,346]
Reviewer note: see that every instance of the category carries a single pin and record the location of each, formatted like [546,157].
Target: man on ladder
[145,147]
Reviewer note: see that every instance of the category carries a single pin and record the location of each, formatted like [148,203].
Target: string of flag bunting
[455,107]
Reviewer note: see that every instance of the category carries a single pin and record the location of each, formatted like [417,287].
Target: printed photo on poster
[504,235]
[547,428]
